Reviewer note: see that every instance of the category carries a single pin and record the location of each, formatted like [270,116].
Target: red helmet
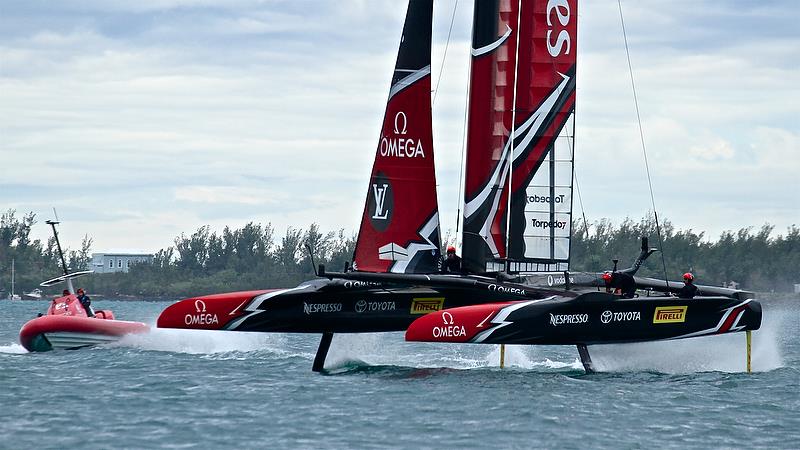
[688,276]
[606,276]
[451,249]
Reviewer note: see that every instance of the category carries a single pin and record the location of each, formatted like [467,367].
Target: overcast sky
[142,120]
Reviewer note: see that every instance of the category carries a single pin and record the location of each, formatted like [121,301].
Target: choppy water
[190,389]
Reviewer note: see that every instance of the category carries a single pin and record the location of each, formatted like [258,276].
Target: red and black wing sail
[399,229]
[541,180]
[519,147]
[491,100]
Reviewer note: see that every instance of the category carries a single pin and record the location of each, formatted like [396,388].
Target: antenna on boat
[314,263]
[53,224]
[64,267]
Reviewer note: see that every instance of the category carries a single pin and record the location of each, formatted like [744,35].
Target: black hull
[593,318]
[325,306]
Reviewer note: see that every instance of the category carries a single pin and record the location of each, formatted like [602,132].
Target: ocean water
[194,389]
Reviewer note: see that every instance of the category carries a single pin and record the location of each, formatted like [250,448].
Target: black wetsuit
[624,282]
[450,265]
[86,302]
[688,290]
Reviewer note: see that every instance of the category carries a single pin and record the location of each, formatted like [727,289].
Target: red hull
[50,332]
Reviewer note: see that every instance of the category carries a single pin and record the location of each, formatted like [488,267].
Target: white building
[118,262]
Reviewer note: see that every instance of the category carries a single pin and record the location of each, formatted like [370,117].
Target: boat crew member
[689,290]
[451,263]
[622,284]
[86,302]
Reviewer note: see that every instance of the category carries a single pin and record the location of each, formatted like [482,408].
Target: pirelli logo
[670,314]
[426,305]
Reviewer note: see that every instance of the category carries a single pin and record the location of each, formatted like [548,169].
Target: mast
[64,267]
[12,279]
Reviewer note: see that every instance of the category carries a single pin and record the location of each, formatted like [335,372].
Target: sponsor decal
[365,306]
[557,280]
[568,319]
[381,202]
[622,316]
[380,197]
[200,317]
[670,314]
[545,199]
[349,284]
[398,145]
[560,224]
[426,305]
[505,289]
[311,308]
[449,329]
[562,39]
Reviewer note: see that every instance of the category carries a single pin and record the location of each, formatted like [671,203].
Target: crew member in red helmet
[451,263]
[689,290]
[621,283]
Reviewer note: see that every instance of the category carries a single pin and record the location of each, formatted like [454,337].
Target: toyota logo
[605,317]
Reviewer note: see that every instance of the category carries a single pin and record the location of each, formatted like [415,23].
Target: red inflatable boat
[67,326]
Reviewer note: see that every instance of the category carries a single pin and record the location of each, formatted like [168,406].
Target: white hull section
[65,340]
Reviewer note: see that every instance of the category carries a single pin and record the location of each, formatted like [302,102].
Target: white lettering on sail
[397,129]
[401,147]
[561,8]
[380,197]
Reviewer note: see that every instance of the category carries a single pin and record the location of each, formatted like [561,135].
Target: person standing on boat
[86,302]
[451,263]
[689,290]
[621,283]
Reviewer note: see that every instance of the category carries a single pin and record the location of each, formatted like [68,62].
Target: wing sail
[399,229]
[518,188]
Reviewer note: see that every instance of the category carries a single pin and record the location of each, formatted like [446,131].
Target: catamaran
[517,217]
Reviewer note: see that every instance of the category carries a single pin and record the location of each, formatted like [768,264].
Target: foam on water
[201,342]
[14,349]
[389,349]
[722,353]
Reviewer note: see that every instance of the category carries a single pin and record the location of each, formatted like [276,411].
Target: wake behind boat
[67,324]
